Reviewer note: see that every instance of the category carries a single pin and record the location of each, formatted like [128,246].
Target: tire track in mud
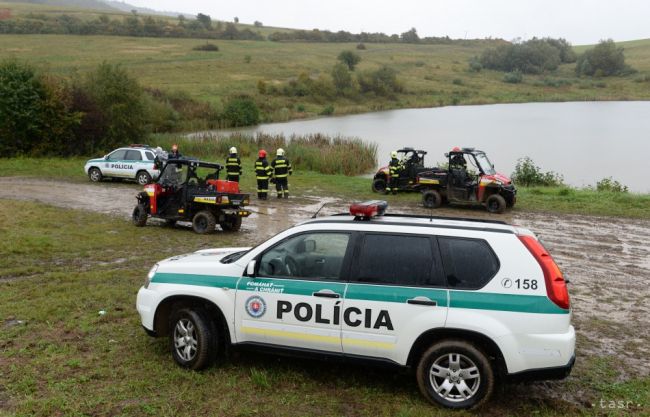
[606,259]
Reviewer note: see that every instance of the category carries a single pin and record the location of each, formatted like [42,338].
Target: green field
[60,356]
[433,75]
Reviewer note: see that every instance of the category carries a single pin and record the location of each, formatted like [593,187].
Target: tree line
[317,35]
[201,27]
[130,25]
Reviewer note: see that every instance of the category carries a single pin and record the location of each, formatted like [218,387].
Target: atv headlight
[150,275]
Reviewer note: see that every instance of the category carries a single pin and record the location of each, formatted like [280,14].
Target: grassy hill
[432,75]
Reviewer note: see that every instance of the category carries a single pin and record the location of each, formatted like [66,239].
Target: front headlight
[150,275]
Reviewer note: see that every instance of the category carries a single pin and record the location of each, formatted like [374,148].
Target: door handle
[326,294]
[319,261]
[422,301]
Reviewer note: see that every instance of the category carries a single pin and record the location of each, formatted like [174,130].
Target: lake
[583,141]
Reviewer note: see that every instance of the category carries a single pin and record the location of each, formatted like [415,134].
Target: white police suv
[135,162]
[463,303]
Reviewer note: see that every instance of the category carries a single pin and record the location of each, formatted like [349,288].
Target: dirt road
[607,260]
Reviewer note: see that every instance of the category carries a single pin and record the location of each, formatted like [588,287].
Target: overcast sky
[579,21]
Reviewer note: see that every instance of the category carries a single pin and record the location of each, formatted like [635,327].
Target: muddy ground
[606,260]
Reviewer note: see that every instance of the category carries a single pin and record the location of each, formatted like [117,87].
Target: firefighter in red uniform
[263,172]
[281,171]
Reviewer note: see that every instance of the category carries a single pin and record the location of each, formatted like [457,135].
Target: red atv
[190,190]
[470,179]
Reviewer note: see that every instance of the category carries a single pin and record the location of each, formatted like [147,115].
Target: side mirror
[250,268]
[447,155]
[106,156]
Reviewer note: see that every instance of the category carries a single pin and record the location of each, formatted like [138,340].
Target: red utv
[190,190]
[470,179]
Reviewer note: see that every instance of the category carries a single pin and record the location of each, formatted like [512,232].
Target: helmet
[455,149]
[233,150]
[280,152]
[393,154]
[174,147]
[262,153]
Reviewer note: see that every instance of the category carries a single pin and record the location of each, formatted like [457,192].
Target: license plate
[235,202]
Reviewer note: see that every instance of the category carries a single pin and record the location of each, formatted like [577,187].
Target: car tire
[496,204]
[95,175]
[193,339]
[139,215]
[231,224]
[204,222]
[510,203]
[143,177]
[455,374]
[379,185]
[431,199]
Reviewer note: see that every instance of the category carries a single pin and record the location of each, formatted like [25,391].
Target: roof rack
[462,219]
[426,217]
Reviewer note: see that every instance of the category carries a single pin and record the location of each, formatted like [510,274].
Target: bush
[35,113]
[605,59]
[327,110]
[341,77]
[514,77]
[261,86]
[120,98]
[610,185]
[382,82]
[248,59]
[349,58]
[208,47]
[241,111]
[457,81]
[361,46]
[528,174]
[474,65]
[531,57]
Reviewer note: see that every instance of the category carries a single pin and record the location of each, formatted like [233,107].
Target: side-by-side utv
[469,179]
[190,190]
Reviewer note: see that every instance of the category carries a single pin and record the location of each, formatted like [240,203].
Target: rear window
[396,259]
[150,156]
[468,263]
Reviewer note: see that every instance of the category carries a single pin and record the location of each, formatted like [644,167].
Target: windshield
[173,174]
[484,163]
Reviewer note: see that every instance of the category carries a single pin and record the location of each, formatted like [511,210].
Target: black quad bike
[413,165]
[469,179]
[190,190]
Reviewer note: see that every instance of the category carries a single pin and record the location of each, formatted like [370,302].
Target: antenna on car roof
[318,211]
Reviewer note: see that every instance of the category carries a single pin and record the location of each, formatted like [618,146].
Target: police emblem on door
[255,306]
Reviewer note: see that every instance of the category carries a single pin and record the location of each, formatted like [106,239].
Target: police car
[135,162]
[464,304]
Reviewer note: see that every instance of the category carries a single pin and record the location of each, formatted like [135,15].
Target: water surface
[584,141]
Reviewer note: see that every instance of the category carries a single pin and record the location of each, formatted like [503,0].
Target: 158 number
[526,284]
